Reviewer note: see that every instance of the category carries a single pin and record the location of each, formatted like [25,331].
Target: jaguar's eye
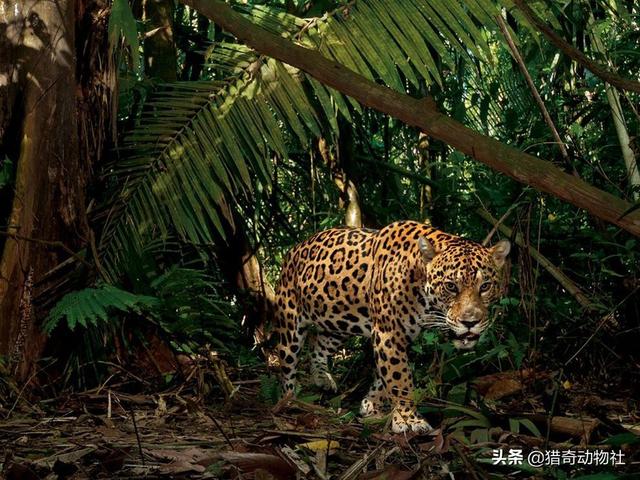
[485,287]
[451,287]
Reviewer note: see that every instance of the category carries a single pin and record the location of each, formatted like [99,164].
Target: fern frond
[92,305]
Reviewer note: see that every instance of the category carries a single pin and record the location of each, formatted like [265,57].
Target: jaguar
[388,285]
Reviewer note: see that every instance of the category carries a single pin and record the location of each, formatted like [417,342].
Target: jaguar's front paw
[409,421]
[325,381]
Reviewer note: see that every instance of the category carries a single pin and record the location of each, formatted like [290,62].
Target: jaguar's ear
[500,251]
[426,249]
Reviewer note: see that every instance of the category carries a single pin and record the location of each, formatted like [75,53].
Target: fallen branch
[574,427]
[423,114]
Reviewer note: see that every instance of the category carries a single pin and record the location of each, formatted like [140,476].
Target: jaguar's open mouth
[468,336]
[466,340]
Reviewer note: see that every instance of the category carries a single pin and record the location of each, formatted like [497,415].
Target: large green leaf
[199,146]
[122,21]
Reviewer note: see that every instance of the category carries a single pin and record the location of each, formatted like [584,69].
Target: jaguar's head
[463,280]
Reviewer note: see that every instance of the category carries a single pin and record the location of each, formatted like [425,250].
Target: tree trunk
[194,56]
[349,199]
[246,279]
[49,179]
[427,209]
[423,114]
[40,100]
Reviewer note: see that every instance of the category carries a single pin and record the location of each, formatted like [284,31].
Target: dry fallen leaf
[293,457]
[69,457]
[503,384]
[321,445]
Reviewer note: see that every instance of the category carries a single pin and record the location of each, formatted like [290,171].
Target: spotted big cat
[389,285]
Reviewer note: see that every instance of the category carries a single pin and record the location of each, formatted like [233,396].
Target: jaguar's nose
[470,323]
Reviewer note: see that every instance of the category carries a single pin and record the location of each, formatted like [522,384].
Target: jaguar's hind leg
[323,346]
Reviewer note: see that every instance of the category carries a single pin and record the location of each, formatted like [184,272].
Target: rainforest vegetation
[158,158]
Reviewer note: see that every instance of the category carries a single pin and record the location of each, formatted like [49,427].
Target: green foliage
[515,423]
[190,307]
[602,476]
[201,144]
[90,306]
[7,172]
[122,22]
[474,419]
[193,154]
[184,300]
[622,439]
[270,390]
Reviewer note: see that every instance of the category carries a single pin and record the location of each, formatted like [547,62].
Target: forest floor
[112,432]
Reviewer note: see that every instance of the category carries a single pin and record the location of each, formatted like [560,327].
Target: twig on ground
[135,428]
[354,470]
[220,429]
[471,468]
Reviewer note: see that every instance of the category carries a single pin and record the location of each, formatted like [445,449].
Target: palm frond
[394,41]
[202,145]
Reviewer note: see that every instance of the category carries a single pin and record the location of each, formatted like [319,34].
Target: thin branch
[499,222]
[470,467]
[49,243]
[135,428]
[399,170]
[423,114]
[220,429]
[572,52]
[534,91]
[603,321]
[613,97]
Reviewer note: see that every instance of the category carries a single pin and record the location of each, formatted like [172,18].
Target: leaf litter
[130,432]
